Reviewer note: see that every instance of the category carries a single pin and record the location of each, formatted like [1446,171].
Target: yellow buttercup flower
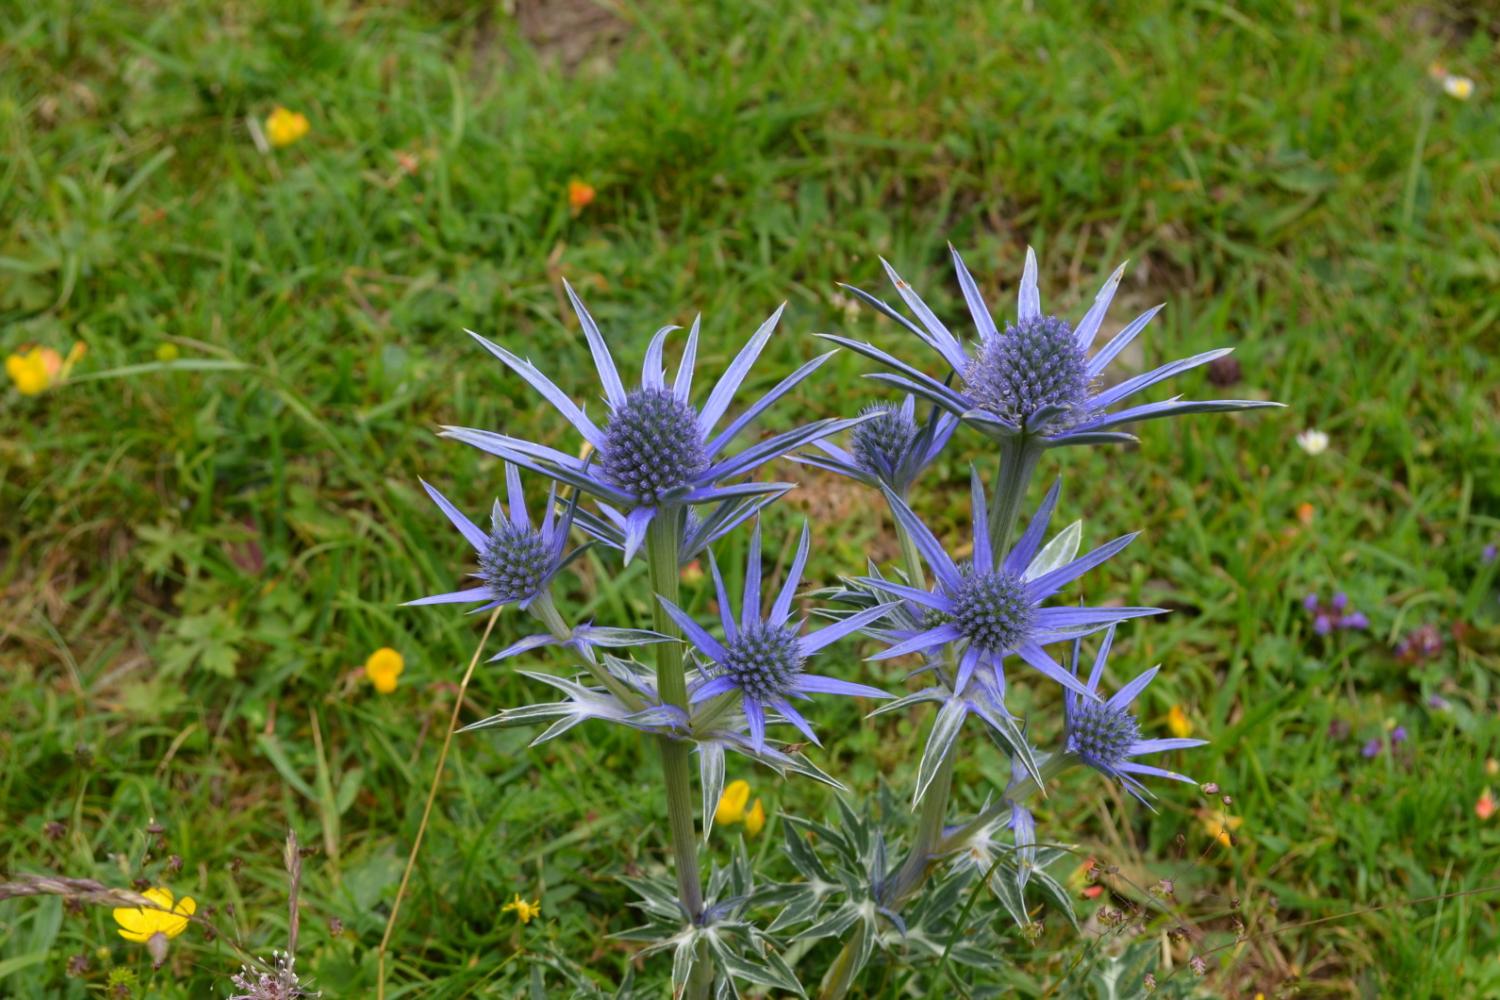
[755,819]
[1179,723]
[285,127]
[523,910]
[383,667]
[30,370]
[34,370]
[167,351]
[139,924]
[732,803]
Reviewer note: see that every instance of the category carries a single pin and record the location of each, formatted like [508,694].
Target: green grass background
[195,563]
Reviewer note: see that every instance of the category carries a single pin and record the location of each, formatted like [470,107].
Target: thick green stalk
[914,574]
[1018,458]
[913,871]
[663,541]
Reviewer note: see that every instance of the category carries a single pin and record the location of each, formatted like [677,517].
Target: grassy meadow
[209,525]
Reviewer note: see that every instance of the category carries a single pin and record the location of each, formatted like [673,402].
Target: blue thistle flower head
[1034,366]
[1036,375]
[1106,735]
[516,560]
[653,446]
[657,451]
[993,610]
[881,442]
[889,447]
[763,658]
[994,606]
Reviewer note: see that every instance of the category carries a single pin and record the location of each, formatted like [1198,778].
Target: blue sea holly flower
[656,451]
[762,658]
[889,448]
[1035,377]
[516,560]
[1106,736]
[998,612]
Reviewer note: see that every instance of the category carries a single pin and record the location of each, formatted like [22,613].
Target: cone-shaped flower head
[1036,375]
[1106,735]
[763,658]
[890,448]
[656,450]
[994,608]
[516,560]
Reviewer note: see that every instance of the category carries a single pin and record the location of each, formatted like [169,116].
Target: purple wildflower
[1489,553]
[1420,644]
[516,560]
[890,448]
[762,657]
[1398,735]
[657,452]
[1335,615]
[1033,376]
[1106,736]
[998,611]
[1370,749]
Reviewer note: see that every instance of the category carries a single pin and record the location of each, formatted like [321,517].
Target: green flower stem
[546,612]
[663,540]
[1018,459]
[913,871]
[914,574]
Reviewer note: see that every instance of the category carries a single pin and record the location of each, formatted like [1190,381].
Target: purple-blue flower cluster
[1336,615]
[665,471]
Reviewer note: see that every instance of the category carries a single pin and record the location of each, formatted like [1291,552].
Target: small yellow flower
[1220,825]
[167,352]
[523,910]
[1179,723]
[383,667]
[732,803]
[139,924]
[580,195]
[755,819]
[285,127]
[34,370]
